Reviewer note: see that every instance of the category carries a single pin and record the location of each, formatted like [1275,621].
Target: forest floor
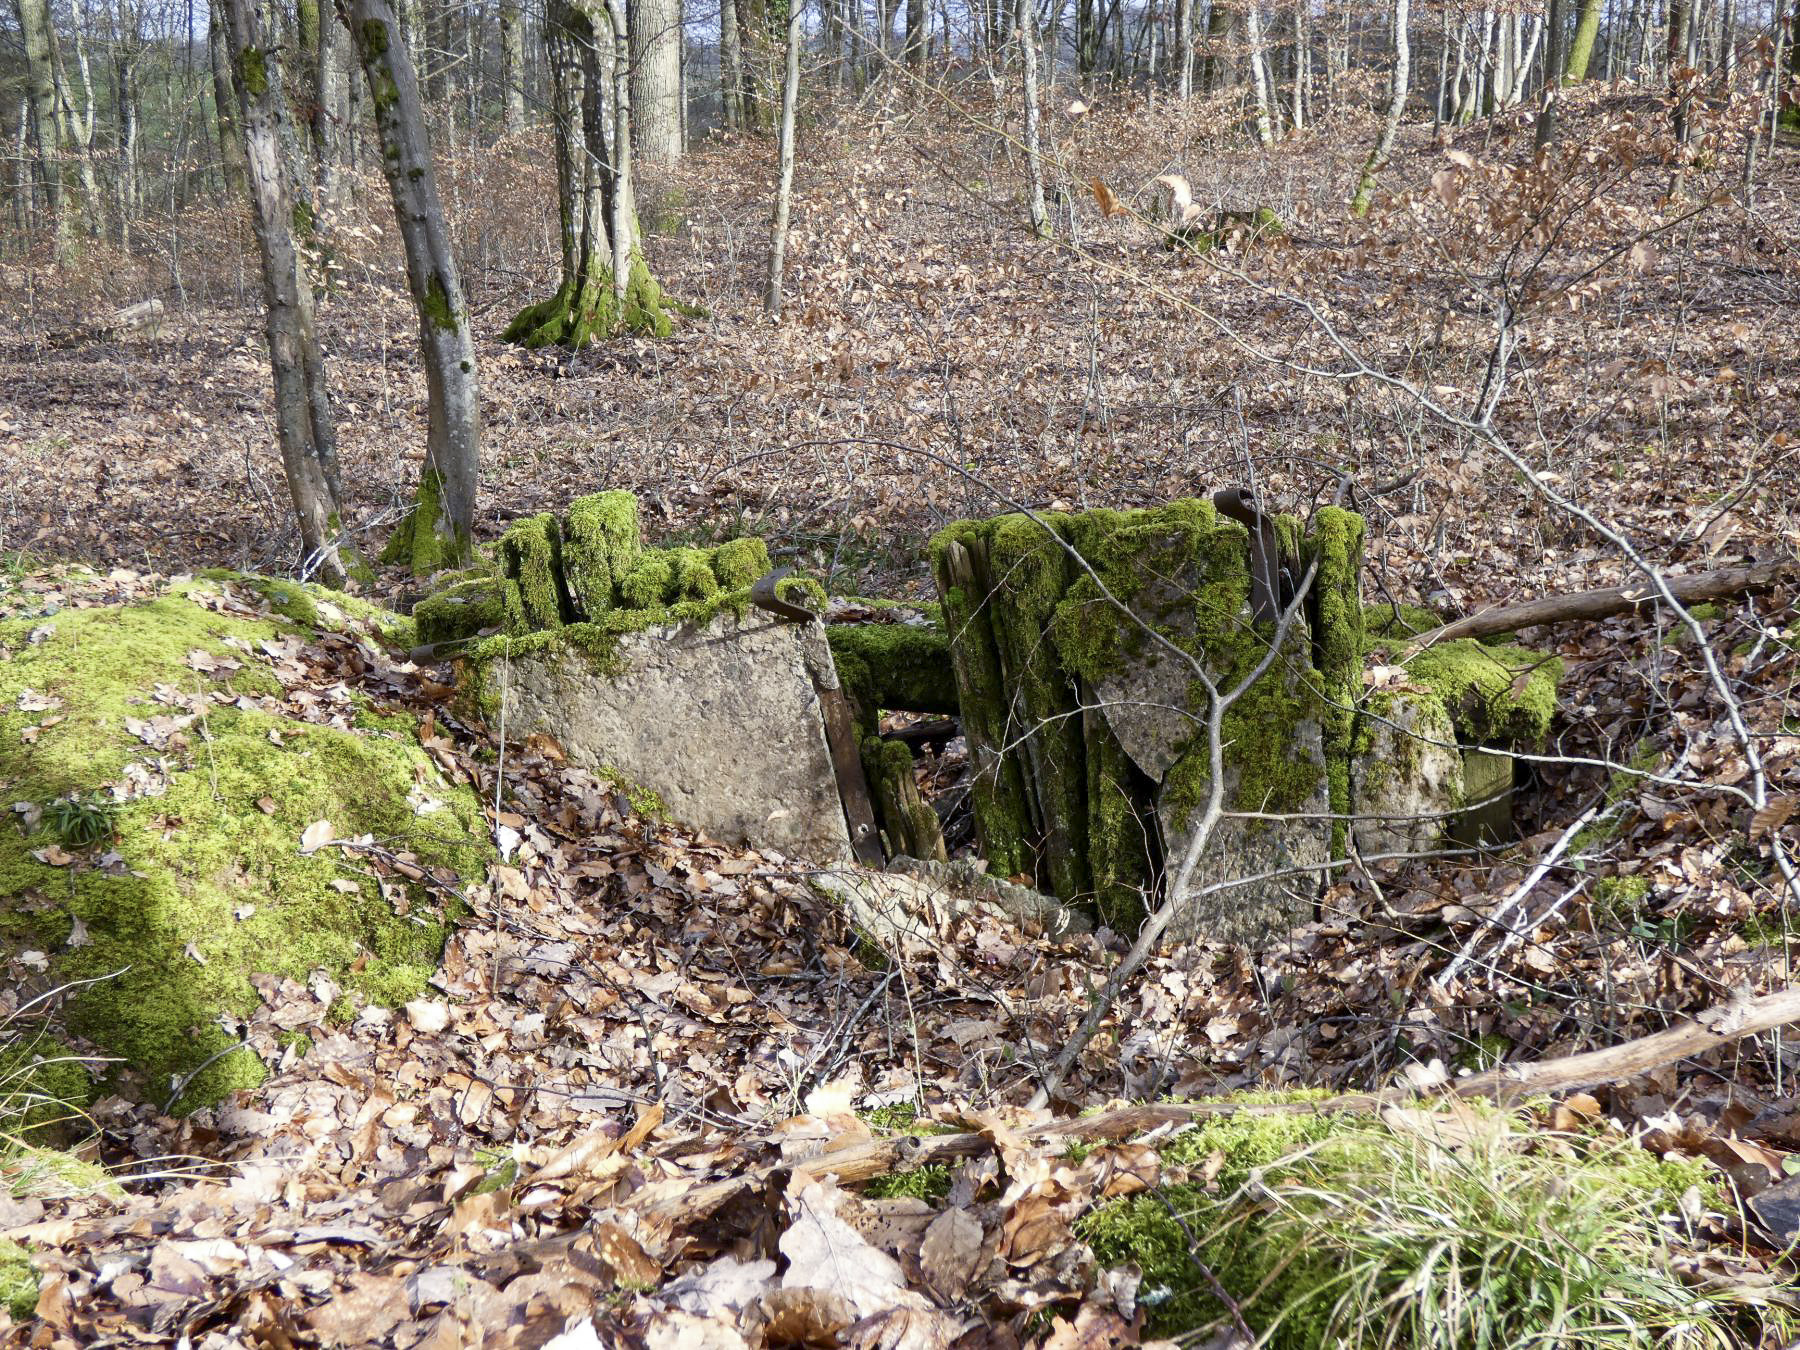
[635,1014]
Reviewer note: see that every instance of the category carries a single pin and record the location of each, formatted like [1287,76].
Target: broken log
[145,316]
[1720,584]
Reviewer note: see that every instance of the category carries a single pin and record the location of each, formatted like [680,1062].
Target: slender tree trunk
[1553,76]
[302,407]
[784,187]
[1302,62]
[655,73]
[231,144]
[731,68]
[442,524]
[1025,30]
[1390,126]
[512,67]
[1184,48]
[1259,73]
[46,127]
[916,21]
[331,120]
[1581,50]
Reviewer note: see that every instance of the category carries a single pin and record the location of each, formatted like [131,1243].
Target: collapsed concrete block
[715,713]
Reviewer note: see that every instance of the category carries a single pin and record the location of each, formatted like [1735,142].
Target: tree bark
[1390,127]
[331,119]
[1026,31]
[1554,60]
[589,60]
[46,128]
[512,68]
[784,189]
[231,145]
[916,20]
[1259,73]
[442,524]
[1581,50]
[655,70]
[302,406]
[731,68]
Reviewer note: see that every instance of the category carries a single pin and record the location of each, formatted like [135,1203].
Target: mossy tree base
[426,541]
[588,310]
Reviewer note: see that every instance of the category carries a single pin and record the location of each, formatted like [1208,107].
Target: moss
[1335,547]
[930,1182]
[1122,831]
[18,1282]
[895,666]
[1264,1225]
[532,553]
[44,1088]
[461,611]
[649,582]
[1495,694]
[738,563]
[253,71]
[1030,572]
[601,544]
[426,540]
[1621,899]
[690,575]
[204,884]
[910,825]
[802,591]
[588,310]
[1391,619]
[435,308]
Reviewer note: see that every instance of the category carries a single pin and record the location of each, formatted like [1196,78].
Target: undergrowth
[1333,1232]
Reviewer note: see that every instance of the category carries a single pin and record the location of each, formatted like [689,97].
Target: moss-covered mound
[162,781]
[1430,1231]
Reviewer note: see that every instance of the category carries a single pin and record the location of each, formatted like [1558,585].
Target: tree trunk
[512,68]
[655,71]
[302,407]
[331,119]
[1390,127]
[231,144]
[1553,75]
[1259,73]
[731,68]
[1184,48]
[40,83]
[916,21]
[784,189]
[1025,30]
[1581,50]
[442,523]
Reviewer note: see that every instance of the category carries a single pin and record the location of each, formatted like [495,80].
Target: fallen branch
[1601,604]
[1716,1026]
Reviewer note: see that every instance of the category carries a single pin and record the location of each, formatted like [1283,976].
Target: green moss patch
[173,709]
[18,1282]
[1341,1231]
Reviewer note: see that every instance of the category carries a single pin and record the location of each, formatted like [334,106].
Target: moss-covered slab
[711,705]
[1407,776]
[162,783]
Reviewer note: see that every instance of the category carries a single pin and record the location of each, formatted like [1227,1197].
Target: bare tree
[302,406]
[1390,126]
[1026,31]
[40,80]
[512,67]
[784,188]
[606,287]
[440,530]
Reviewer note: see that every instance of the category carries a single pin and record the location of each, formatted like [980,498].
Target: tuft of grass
[1332,1232]
[81,821]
